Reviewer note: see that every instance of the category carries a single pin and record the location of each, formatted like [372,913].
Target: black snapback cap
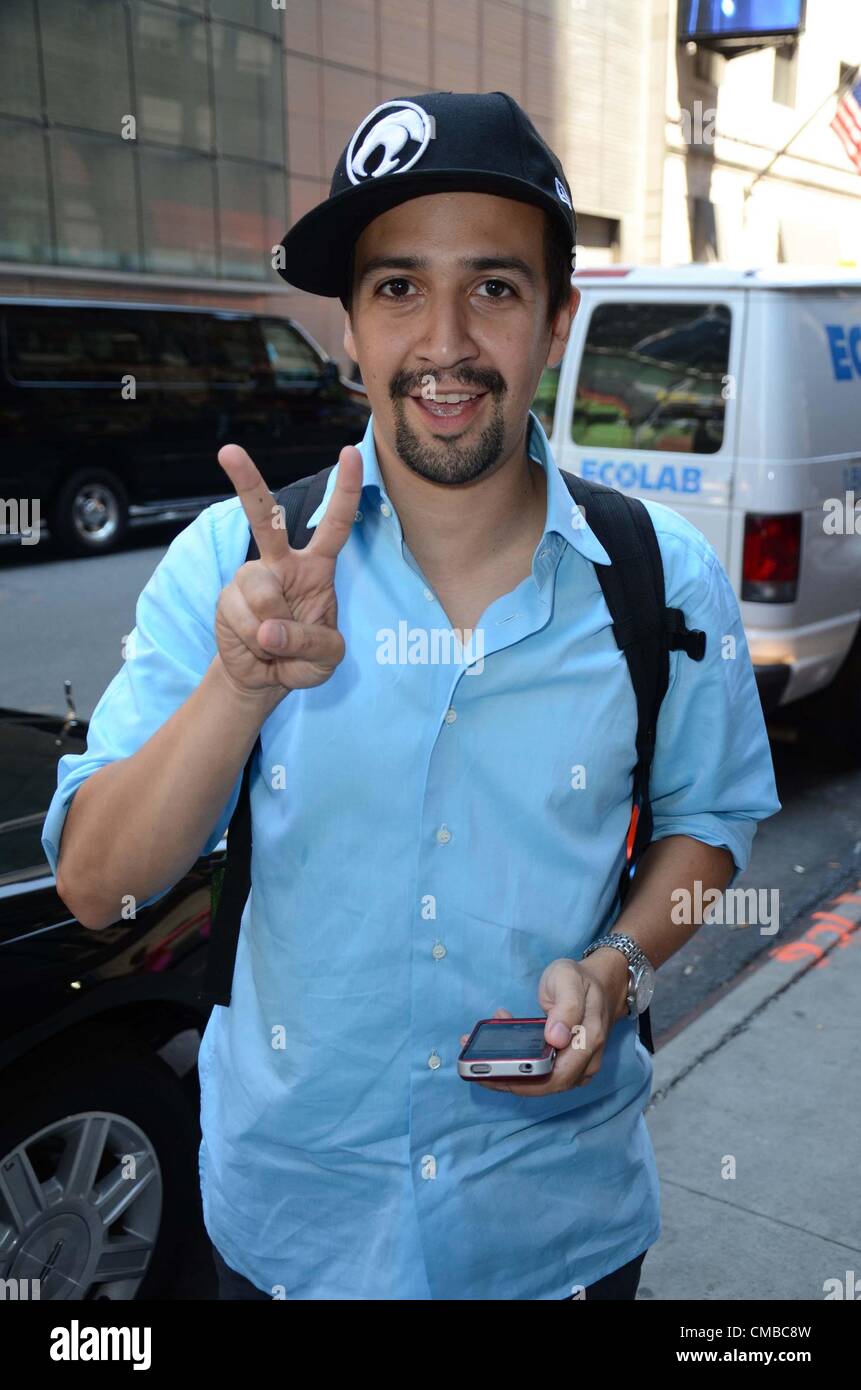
[478,142]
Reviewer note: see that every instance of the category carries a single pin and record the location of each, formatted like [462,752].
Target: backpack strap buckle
[681,637]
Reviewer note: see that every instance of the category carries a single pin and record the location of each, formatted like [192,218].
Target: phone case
[489,1068]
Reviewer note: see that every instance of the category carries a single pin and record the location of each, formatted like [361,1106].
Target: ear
[349,345]
[561,328]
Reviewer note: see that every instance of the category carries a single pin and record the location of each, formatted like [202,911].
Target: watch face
[645,988]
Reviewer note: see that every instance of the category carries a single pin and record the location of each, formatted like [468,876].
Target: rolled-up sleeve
[166,655]
[712,774]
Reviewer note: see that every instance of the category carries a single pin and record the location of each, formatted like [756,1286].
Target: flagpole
[845,85]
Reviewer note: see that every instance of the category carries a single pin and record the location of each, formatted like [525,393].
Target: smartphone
[507,1047]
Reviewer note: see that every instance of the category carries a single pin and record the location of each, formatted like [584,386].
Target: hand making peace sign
[276,622]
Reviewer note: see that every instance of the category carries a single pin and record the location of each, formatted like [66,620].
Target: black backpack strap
[300,500]
[645,629]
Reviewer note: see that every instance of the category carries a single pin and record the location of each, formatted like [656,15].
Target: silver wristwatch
[641,974]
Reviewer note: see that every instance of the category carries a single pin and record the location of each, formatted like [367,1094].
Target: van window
[234,349]
[79,345]
[292,358]
[180,349]
[652,376]
[544,403]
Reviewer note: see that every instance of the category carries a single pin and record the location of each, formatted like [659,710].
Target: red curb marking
[845,928]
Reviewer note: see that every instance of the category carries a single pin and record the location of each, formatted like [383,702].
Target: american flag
[847,122]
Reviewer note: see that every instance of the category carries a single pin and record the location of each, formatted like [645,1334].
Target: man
[422,855]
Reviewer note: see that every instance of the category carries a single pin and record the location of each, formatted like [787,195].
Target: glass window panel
[180,351]
[94,191]
[86,62]
[545,398]
[178,212]
[252,217]
[171,73]
[25,224]
[258,14]
[19,72]
[234,350]
[652,377]
[248,94]
[292,358]
[80,344]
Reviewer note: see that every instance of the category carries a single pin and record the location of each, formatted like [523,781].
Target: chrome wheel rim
[80,1209]
[95,513]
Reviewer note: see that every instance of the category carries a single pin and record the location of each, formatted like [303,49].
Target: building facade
[158,149]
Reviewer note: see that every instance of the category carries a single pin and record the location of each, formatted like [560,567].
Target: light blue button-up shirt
[432,827]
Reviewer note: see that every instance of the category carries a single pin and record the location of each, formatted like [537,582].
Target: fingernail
[559,1034]
[278,640]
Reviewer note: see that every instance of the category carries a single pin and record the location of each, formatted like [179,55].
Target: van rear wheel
[91,513]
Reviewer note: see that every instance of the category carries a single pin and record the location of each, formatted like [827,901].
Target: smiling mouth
[446,405]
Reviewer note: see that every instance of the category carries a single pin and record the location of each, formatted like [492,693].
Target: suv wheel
[98,1172]
[90,514]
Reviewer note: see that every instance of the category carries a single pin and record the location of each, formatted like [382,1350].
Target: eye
[399,286]
[498,289]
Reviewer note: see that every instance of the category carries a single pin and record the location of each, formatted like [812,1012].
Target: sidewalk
[771,1076]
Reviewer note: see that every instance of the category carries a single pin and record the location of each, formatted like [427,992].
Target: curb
[834,925]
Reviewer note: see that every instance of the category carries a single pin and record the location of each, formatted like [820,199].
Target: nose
[445,339]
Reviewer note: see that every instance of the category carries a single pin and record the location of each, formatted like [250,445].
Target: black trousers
[621,1283]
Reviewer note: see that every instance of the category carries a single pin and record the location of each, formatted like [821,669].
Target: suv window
[79,345]
[292,358]
[653,376]
[180,351]
[234,349]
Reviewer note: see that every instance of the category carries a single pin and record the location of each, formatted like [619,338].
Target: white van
[734,396]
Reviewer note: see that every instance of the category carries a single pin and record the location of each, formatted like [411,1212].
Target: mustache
[404,383]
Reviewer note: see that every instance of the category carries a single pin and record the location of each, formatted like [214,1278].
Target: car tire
[90,514]
[100,1095]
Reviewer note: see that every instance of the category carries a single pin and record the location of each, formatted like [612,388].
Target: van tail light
[772,550]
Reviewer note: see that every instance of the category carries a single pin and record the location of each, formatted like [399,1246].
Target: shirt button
[542,554]
[434,1060]
[429,594]
[385,509]
[428,1166]
[443,835]
[450,716]
[358,516]
[438,951]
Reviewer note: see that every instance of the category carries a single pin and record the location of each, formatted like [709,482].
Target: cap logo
[563,194]
[389,140]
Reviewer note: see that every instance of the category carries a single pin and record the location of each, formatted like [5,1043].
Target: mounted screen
[739,19]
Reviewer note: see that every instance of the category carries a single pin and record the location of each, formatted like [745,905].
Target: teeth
[453,398]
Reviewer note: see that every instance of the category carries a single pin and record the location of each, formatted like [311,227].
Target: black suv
[113,410]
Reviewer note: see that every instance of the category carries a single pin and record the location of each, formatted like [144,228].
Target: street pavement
[755,1117]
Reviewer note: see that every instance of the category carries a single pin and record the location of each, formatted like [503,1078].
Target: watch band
[635,956]
[631,949]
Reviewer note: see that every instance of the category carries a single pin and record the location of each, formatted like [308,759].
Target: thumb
[563,992]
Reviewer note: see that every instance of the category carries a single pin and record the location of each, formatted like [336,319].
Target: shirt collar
[563,517]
